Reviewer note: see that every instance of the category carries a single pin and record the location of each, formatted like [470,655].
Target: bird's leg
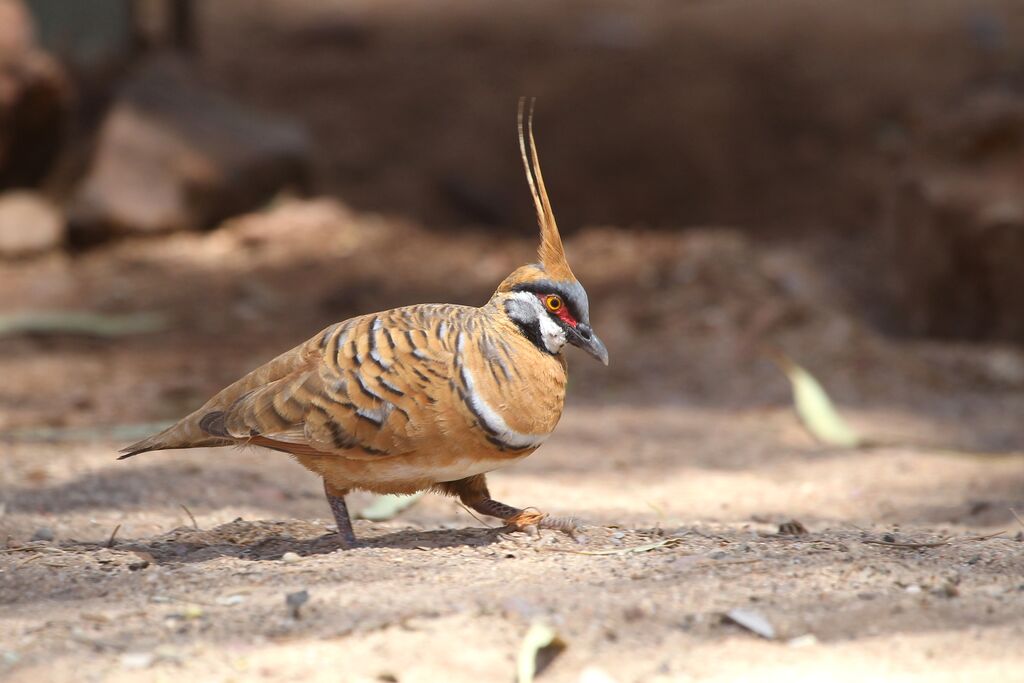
[473,493]
[336,499]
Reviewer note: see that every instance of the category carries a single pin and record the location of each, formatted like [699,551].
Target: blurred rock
[35,100]
[956,232]
[175,155]
[29,224]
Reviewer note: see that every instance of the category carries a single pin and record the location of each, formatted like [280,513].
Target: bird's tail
[183,434]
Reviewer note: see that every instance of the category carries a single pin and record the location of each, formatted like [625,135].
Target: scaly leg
[336,499]
[473,493]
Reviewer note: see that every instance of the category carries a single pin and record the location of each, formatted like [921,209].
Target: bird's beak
[585,338]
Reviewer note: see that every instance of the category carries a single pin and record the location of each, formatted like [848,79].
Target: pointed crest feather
[551,252]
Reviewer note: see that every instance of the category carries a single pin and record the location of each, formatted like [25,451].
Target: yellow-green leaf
[540,646]
[83,323]
[384,508]
[815,408]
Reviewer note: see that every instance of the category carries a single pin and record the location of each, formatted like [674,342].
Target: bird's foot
[332,541]
[346,537]
[531,521]
[346,542]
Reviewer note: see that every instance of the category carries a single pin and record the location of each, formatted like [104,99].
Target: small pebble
[295,601]
[913,589]
[291,558]
[231,600]
[167,653]
[43,533]
[805,640]
[592,674]
[137,660]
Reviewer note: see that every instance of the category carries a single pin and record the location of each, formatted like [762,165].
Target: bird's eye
[553,302]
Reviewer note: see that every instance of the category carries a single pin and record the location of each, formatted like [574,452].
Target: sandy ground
[687,439]
[435,596]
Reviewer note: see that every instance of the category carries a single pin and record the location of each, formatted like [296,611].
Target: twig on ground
[897,544]
[30,547]
[113,535]
[190,516]
[470,512]
[933,544]
[668,542]
[1017,517]
[97,643]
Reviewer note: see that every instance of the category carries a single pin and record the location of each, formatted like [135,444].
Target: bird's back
[434,390]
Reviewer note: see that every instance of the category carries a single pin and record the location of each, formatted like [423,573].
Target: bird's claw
[532,521]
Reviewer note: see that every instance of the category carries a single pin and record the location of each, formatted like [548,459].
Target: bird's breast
[512,392]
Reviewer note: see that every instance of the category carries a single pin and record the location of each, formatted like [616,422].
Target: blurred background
[829,179]
[730,174]
[189,188]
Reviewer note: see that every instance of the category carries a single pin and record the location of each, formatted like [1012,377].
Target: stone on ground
[29,224]
[174,155]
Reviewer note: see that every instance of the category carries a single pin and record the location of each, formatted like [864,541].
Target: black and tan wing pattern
[429,379]
[372,388]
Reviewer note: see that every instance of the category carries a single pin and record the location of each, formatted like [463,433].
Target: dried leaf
[539,648]
[384,508]
[753,621]
[793,527]
[816,409]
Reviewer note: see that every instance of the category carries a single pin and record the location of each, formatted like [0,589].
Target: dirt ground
[681,459]
[688,438]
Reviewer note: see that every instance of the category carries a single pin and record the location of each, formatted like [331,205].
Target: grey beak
[585,338]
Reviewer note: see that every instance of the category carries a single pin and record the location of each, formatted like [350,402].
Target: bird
[421,397]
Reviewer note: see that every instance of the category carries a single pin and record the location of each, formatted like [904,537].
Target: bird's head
[545,299]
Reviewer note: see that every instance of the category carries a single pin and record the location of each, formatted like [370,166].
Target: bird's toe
[531,521]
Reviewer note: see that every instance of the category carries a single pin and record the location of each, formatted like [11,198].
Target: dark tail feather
[129,453]
[174,437]
[152,443]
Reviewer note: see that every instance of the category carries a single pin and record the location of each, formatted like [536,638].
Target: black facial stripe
[531,331]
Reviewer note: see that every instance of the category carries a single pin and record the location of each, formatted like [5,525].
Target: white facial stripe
[551,333]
